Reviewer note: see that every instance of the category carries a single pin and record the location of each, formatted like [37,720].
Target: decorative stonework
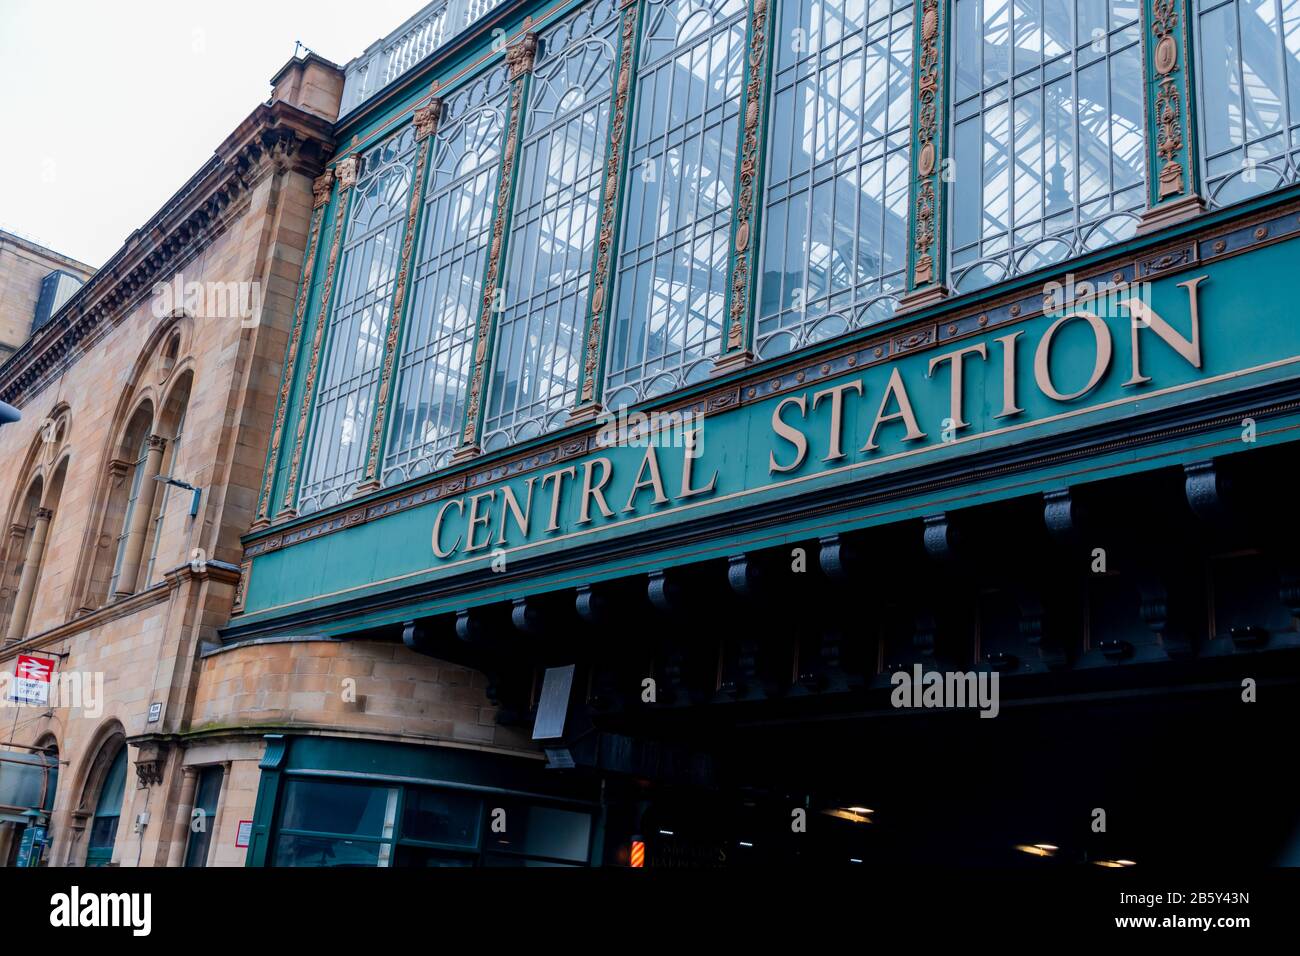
[520,59]
[1166,59]
[321,189]
[601,282]
[346,170]
[426,121]
[295,342]
[156,443]
[346,173]
[744,229]
[927,143]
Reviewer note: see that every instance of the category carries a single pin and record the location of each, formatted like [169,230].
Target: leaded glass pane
[434,367]
[835,234]
[1248,71]
[538,355]
[672,269]
[1048,137]
[344,403]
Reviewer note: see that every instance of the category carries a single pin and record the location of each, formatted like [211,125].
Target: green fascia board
[1250,344]
[969,302]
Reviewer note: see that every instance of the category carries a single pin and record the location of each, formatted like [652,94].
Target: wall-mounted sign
[244,834]
[155,712]
[31,681]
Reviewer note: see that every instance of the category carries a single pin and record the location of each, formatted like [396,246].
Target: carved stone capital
[321,188]
[44,514]
[157,443]
[521,56]
[426,119]
[346,170]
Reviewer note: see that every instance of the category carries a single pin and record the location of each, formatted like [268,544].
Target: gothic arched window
[839,141]
[434,366]
[672,266]
[358,323]
[539,343]
[1048,133]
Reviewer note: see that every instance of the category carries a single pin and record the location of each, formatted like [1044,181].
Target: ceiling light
[1037,849]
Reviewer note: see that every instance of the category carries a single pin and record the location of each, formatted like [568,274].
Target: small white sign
[32,678]
[155,712]
[245,833]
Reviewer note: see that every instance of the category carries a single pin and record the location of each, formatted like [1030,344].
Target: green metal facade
[1220,280]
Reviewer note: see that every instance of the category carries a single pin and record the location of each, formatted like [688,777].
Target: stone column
[138,529]
[31,570]
[181,825]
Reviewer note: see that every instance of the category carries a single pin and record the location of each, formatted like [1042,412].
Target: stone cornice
[274,137]
[157,594]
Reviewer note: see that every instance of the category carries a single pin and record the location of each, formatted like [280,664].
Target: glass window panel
[433,367]
[540,332]
[298,850]
[441,816]
[344,808]
[133,496]
[1249,89]
[207,792]
[358,324]
[835,243]
[533,830]
[690,77]
[1055,127]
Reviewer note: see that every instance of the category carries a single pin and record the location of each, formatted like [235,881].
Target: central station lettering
[486,518]
[895,402]
[596,490]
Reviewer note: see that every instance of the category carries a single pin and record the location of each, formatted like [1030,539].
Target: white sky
[108,106]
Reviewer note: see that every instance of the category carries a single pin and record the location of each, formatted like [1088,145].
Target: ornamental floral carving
[321,188]
[927,98]
[605,241]
[749,158]
[1168,105]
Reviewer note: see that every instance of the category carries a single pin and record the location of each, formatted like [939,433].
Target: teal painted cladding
[1248,338]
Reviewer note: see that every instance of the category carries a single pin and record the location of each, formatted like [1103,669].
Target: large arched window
[839,140]
[17,546]
[1248,71]
[433,371]
[108,809]
[672,264]
[24,609]
[139,495]
[358,323]
[169,520]
[538,355]
[1048,133]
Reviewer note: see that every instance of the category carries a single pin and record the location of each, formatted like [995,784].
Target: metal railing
[408,46]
